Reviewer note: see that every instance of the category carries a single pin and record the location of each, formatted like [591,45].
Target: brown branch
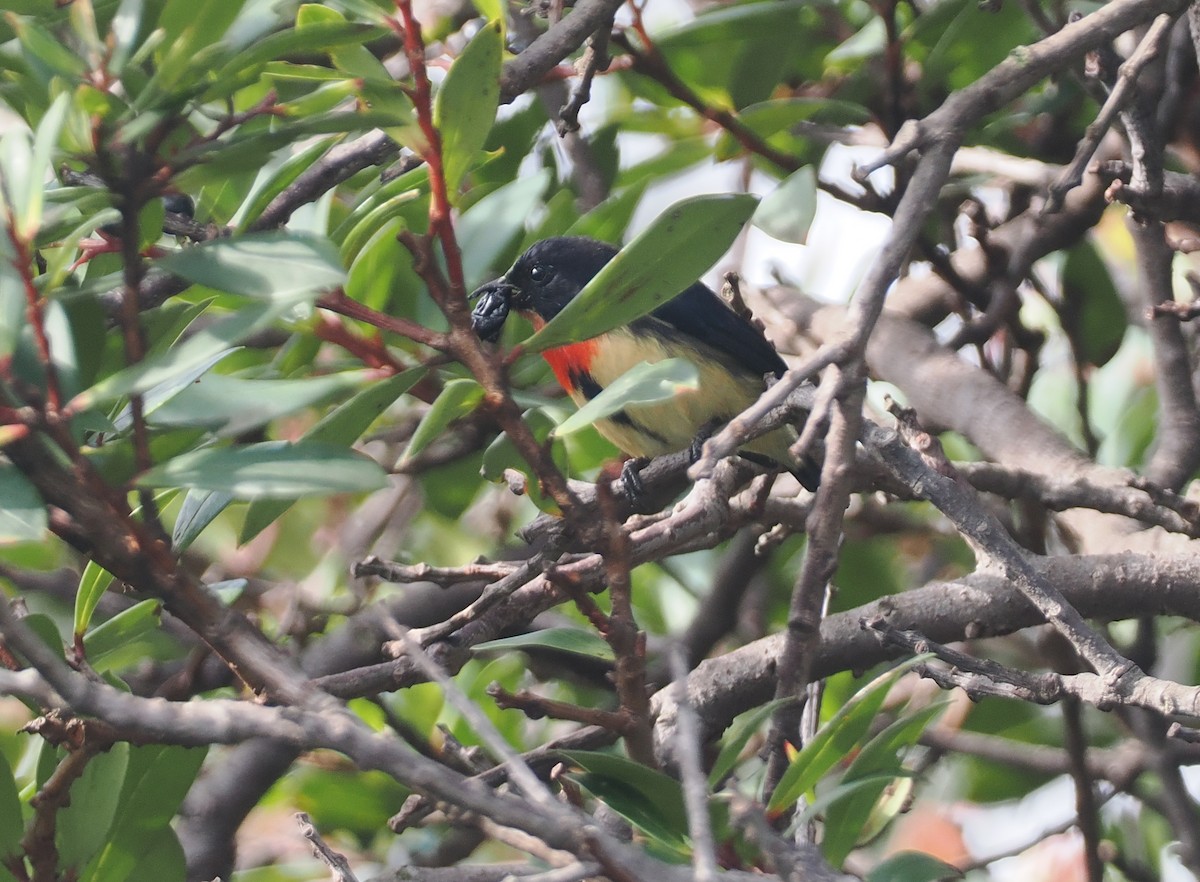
[1018,73]
[621,631]
[336,861]
[55,795]
[649,62]
[337,301]
[537,707]
[803,634]
[563,38]
[1123,91]
[1177,449]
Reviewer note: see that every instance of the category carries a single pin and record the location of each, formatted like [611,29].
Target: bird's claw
[631,481]
[696,448]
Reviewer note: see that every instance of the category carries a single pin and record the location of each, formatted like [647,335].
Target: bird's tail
[772,451]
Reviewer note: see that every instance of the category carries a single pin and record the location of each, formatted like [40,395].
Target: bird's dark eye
[540,274]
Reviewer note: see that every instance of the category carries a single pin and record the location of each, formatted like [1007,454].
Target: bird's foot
[92,248]
[631,481]
[696,448]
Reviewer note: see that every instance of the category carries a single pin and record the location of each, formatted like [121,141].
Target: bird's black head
[542,281]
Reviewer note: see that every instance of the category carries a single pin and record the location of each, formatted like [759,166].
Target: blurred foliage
[269,432]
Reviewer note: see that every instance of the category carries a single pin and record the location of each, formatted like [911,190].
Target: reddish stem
[35,314]
[337,301]
[440,223]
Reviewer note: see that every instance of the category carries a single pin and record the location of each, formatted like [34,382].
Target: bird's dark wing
[700,314]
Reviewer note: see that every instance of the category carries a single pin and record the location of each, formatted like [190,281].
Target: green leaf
[92,585]
[573,640]
[126,23]
[912,866]
[161,393]
[848,820]
[277,265]
[644,383]
[40,44]
[609,220]
[278,181]
[46,629]
[867,42]
[465,106]
[312,37]
[844,790]
[230,406]
[372,221]
[270,470]
[648,799]
[491,226]
[775,119]
[16,170]
[490,9]
[122,629]
[44,142]
[12,304]
[22,512]
[354,59]
[150,223]
[735,55]
[199,509]
[83,826]
[343,425]
[836,739]
[198,352]
[156,781]
[458,398]
[11,826]
[1093,315]
[502,454]
[738,736]
[787,212]
[383,269]
[662,261]
[161,858]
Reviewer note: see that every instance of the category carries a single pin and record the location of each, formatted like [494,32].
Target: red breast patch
[567,362]
[573,360]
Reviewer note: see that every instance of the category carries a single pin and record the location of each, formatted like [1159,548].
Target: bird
[731,355]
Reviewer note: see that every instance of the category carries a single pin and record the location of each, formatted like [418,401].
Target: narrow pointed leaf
[465,106]
[738,736]
[22,512]
[170,365]
[84,823]
[11,828]
[458,398]
[231,406]
[342,426]
[661,262]
[844,731]
[573,640]
[644,383]
[912,866]
[199,509]
[270,470]
[92,585]
[119,631]
[787,212]
[274,265]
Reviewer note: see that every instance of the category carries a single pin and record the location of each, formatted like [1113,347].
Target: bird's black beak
[495,300]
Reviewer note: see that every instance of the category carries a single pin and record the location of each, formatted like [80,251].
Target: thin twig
[1123,91]
[337,863]
[691,773]
[518,772]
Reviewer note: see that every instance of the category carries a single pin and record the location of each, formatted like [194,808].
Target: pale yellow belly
[668,426]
